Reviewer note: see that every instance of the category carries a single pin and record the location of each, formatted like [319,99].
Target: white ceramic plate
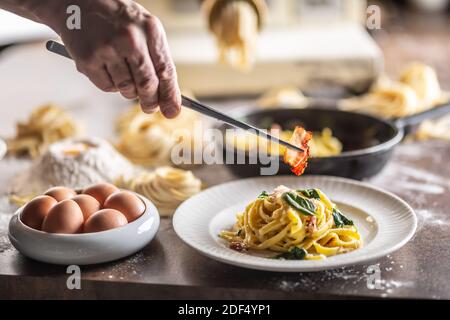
[385,221]
[85,248]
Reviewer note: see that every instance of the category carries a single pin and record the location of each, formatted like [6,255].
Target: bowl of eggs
[98,224]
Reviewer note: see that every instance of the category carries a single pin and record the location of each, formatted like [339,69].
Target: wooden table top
[167,268]
[419,173]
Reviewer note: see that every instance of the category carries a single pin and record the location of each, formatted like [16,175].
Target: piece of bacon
[312,225]
[238,246]
[298,160]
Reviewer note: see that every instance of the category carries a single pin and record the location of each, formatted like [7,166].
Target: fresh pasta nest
[147,139]
[417,89]
[166,187]
[46,124]
[296,224]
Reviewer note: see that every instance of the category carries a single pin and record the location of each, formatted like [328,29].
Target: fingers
[168,91]
[122,78]
[144,75]
[135,61]
[99,76]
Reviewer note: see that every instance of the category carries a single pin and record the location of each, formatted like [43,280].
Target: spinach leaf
[263,195]
[294,254]
[310,193]
[304,206]
[340,219]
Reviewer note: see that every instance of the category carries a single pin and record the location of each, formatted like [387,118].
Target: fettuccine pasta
[297,224]
[147,139]
[166,187]
[434,129]
[322,144]
[417,89]
[47,124]
[235,25]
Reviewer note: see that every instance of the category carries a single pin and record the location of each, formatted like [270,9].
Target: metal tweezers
[58,48]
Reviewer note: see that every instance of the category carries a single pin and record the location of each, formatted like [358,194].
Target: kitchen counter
[167,268]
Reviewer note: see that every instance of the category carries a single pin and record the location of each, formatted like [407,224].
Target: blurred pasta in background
[147,139]
[322,144]
[46,124]
[417,89]
[235,25]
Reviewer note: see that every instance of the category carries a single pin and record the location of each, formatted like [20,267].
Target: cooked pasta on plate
[295,224]
[294,229]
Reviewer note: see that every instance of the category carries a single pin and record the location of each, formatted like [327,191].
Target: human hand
[121,47]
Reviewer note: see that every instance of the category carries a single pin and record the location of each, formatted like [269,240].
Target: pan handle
[417,118]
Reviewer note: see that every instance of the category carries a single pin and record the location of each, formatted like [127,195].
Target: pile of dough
[416,90]
[147,139]
[166,187]
[47,124]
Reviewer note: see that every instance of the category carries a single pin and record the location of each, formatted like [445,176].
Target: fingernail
[149,109]
[171,112]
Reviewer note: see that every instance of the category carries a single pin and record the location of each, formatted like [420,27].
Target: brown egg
[60,193]
[36,210]
[101,191]
[87,204]
[104,219]
[64,217]
[127,203]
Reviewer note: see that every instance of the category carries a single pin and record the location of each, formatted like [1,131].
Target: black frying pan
[367,141]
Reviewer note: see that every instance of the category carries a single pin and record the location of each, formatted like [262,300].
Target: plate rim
[288,268]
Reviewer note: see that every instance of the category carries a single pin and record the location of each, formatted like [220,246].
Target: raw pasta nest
[417,89]
[147,139]
[46,124]
[166,187]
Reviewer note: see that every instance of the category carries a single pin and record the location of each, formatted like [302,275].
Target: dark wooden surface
[419,173]
[167,268]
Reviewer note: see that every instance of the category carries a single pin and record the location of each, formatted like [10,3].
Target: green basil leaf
[299,253]
[340,219]
[337,219]
[294,254]
[310,193]
[304,206]
[263,195]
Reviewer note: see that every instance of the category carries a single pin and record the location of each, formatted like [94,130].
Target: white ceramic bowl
[85,248]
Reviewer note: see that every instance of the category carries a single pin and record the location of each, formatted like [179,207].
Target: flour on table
[346,278]
[73,163]
[419,185]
